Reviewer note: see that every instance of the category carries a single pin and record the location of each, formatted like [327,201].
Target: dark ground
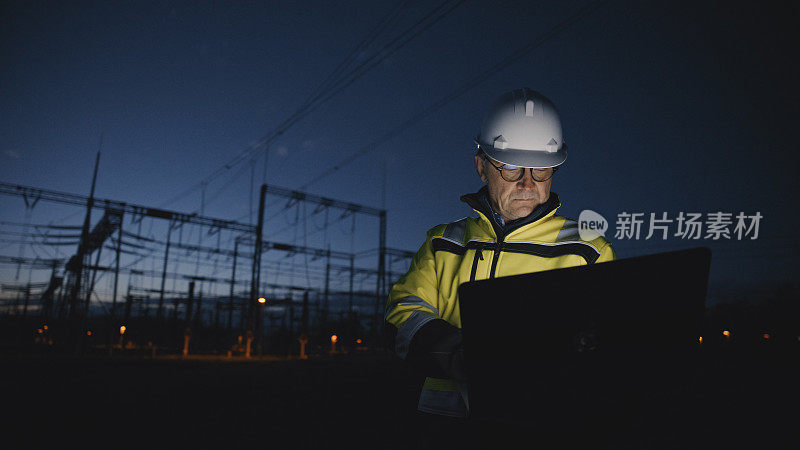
[738,400]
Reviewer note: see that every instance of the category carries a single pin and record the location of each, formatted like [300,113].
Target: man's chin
[522,212]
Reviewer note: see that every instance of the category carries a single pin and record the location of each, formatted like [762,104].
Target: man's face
[516,199]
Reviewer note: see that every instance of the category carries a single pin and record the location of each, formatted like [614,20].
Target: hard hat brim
[527,158]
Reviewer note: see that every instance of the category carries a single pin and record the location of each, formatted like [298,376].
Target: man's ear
[480,168]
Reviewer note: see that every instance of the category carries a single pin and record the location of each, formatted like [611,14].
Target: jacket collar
[479,201]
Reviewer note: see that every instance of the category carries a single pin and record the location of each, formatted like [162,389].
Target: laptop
[577,344]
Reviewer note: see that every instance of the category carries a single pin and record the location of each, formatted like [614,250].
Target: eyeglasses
[515,173]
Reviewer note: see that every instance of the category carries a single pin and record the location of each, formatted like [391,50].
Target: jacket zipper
[498,248]
[478,256]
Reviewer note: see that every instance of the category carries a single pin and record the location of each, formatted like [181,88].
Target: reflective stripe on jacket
[476,249]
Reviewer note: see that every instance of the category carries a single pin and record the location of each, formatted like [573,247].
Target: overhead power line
[48,226]
[423,24]
[333,85]
[332,78]
[382,25]
[461,90]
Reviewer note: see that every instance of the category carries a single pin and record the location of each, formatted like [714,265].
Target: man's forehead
[497,163]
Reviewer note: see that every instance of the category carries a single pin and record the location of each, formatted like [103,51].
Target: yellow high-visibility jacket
[476,249]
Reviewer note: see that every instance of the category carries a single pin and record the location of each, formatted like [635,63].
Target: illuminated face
[512,199]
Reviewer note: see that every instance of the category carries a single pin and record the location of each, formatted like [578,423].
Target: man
[520,147]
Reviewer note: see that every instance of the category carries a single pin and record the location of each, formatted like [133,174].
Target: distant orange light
[40,331]
[334,338]
[88,332]
[765,336]
[700,339]
[358,341]
[262,300]
[44,327]
[726,333]
[122,329]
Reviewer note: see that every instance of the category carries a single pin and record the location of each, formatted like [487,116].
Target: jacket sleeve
[607,253]
[413,300]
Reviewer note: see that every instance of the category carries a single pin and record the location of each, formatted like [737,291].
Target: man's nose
[526,182]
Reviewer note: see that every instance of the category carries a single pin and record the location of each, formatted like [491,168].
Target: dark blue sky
[666,107]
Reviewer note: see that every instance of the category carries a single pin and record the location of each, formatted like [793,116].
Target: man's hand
[437,350]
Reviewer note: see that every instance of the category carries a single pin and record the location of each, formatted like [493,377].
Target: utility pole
[198,315]
[27,298]
[189,304]
[255,311]
[56,283]
[381,283]
[304,314]
[327,278]
[90,287]
[80,317]
[116,269]
[128,304]
[187,331]
[350,290]
[164,273]
[233,281]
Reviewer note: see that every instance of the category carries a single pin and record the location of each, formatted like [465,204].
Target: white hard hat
[523,129]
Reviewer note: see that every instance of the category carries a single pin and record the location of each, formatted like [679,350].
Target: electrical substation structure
[167,304]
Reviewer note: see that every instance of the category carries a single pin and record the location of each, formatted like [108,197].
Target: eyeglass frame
[522,174]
